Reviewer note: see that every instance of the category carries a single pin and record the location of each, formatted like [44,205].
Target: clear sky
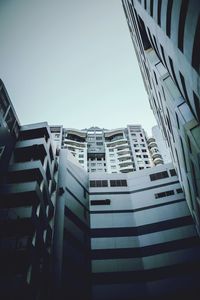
[71,62]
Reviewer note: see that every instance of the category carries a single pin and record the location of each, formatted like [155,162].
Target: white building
[120,150]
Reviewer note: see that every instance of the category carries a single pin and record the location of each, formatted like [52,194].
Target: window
[1,150]
[159,11]
[81,155]
[98,183]
[99,143]
[93,164]
[111,150]
[112,160]
[168,19]
[179,191]
[136,145]
[172,172]
[197,105]
[113,167]
[138,156]
[120,182]
[81,161]
[144,150]
[100,202]
[141,168]
[145,156]
[142,145]
[159,175]
[164,194]
[111,155]
[98,138]
[183,13]
[196,48]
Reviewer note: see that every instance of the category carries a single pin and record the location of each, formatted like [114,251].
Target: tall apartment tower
[120,150]
[166,36]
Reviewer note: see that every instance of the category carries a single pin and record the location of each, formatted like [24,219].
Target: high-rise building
[69,234]
[166,38]
[120,150]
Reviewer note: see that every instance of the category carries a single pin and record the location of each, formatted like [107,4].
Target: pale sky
[71,63]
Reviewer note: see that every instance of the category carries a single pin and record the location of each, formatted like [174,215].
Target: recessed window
[98,183]
[100,202]
[118,182]
[172,172]
[179,191]
[159,175]
[164,194]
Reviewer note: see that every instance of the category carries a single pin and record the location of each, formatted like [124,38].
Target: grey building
[166,36]
[144,244]
[27,201]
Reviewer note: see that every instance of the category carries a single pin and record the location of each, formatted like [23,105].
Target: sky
[71,63]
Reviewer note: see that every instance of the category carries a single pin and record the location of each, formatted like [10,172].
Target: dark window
[163,55]
[151,7]
[118,183]
[196,48]
[99,143]
[98,183]
[197,105]
[172,70]
[159,11]
[183,12]
[159,175]
[172,172]
[179,191]
[168,19]
[98,138]
[100,202]
[164,194]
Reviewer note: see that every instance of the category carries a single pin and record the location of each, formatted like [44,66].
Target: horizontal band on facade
[76,220]
[143,229]
[78,181]
[107,278]
[75,198]
[146,250]
[134,210]
[70,238]
[134,191]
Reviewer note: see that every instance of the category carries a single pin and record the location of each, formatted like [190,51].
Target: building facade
[144,244]
[27,201]
[165,36]
[120,150]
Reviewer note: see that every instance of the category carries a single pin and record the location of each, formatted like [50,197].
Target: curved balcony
[116,142]
[123,152]
[124,157]
[150,140]
[126,169]
[125,162]
[152,144]
[156,155]
[158,161]
[75,143]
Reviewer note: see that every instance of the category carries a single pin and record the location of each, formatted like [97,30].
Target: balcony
[152,144]
[20,194]
[158,161]
[75,144]
[16,227]
[26,171]
[117,142]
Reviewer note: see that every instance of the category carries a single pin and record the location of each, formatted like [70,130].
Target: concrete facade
[144,244]
[166,37]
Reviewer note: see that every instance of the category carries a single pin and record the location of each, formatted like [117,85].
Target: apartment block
[119,150]
[166,36]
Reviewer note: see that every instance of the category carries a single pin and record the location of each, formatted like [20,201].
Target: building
[162,144]
[69,233]
[119,150]
[143,241]
[166,36]
[27,201]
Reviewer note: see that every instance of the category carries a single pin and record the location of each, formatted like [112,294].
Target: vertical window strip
[168,19]
[183,13]
[196,48]
[159,12]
